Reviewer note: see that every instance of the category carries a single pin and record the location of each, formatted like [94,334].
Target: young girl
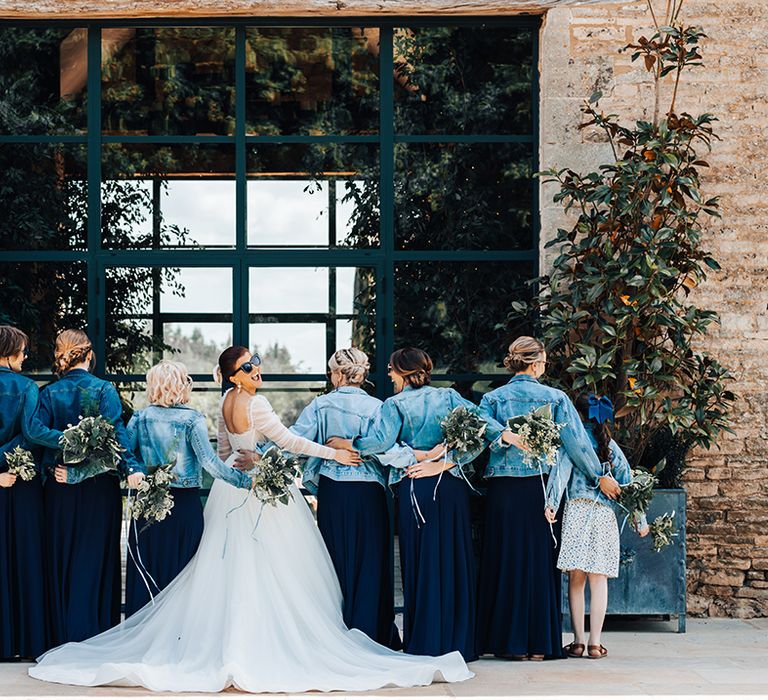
[590,537]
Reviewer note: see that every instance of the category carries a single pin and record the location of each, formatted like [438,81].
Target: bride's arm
[223,448]
[266,421]
[198,438]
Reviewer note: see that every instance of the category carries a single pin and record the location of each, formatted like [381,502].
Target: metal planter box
[649,583]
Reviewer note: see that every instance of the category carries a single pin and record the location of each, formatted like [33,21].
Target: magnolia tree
[615,312]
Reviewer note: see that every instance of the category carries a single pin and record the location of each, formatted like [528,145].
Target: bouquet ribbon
[137,560]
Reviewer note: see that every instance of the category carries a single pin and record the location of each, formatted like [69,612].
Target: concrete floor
[715,657]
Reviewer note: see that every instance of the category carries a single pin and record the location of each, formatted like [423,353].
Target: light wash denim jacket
[78,393]
[20,425]
[518,397]
[413,417]
[565,479]
[179,434]
[345,412]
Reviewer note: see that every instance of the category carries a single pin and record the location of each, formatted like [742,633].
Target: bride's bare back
[235,411]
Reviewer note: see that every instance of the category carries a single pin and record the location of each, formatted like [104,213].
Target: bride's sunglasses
[249,366]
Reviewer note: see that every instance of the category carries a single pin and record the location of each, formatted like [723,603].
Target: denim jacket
[518,397]
[20,424]
[413,417]
[179,435]
[345,412]
[565,479]
[76,394]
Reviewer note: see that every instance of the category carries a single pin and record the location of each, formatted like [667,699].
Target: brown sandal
[574,650]
[600,652]
[535,657]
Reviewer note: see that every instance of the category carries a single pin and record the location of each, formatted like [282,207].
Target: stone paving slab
[648,659]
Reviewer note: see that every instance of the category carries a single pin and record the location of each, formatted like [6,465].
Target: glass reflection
[168,80]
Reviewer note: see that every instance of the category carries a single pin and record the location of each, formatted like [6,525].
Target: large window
[292,189]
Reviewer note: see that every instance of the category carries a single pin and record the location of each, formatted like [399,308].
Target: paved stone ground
[715,658]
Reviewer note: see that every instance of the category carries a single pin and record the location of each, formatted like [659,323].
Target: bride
[259,610]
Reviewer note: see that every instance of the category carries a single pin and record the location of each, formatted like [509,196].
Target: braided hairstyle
[72,348]
[352,363]
[601,431]
[522,353]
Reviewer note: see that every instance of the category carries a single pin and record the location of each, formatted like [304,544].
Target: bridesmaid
[169,431]
[435,539]
[23,629]
[518,586]
[83,506]
[352,511]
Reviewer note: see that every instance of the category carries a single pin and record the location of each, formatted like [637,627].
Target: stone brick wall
[727,489]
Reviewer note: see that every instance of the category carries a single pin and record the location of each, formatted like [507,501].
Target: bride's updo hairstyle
[169,384]
[229,362]
[523,353]
[72,347]
[413,365]
[352,363]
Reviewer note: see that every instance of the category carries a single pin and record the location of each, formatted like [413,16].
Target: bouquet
[273,476]
[154,501]
[541,435]
[636,496]
[463,430]
[92,440]
[663,530]
[21,463]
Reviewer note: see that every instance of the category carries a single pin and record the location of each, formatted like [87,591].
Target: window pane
[171,196]
[43,79]
[312,81]
[42,299]
[290,398]
[290,348]
[313,195]
[155,312]
[43,197]
[168,80]
[463,196]
[289,290]
[457,311]
[463,80]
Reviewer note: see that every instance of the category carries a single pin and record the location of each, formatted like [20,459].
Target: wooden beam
[141,9]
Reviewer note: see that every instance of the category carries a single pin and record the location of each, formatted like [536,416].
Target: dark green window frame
[241,259]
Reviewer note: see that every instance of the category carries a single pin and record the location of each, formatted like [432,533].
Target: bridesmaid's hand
[7,480]
[610,487]
[349,458]
[550,515]
[424,469]
[428,455]
[338,443]
[134,480]
[643,531]
[246,460]
[60,474]
[510,438]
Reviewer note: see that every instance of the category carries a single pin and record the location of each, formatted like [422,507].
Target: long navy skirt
[518,589]
[354,522]
[23,629]
[438,567]
[83,563]
[165,548]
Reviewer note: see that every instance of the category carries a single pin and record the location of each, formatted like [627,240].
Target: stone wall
[727,489]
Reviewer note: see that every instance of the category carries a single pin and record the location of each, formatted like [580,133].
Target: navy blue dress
[354,521]
[83,519]
[164,548]
[438,568]
[23,623]
[519,584]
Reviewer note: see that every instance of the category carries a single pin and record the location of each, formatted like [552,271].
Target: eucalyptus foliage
[153,501]
[273,477]
[92,442]
[615,312]
[21,463]
[463,430]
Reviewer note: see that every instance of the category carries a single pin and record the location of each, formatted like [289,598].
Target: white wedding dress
[258,610]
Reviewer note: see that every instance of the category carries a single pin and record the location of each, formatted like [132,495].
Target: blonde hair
[72,347]
[522,353]
[169,384]
[352,363]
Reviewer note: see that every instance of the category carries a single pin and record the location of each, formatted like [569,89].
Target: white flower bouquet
[541,435]
[273,476]
[21,463]
[153,501]
[463,430]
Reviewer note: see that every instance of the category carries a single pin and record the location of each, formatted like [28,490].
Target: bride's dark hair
[228,363]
